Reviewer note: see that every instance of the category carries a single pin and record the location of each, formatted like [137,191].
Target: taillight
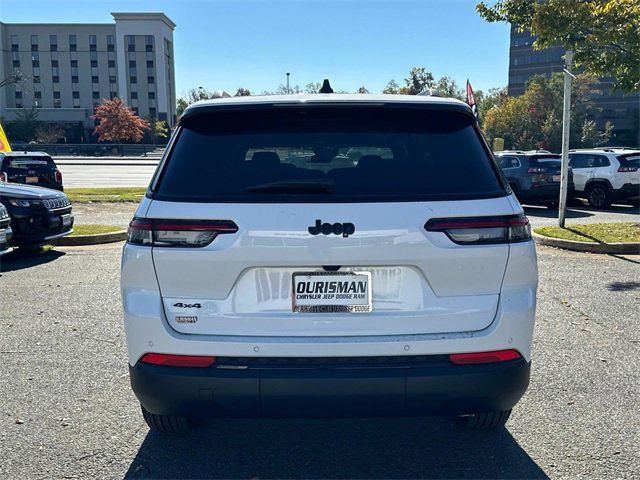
[484,357]
[169,360]
[536,170]
[177,233]
[627,169]
[483,230]
[59,177]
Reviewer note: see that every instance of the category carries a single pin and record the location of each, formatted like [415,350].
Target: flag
[4,141]
[471,101]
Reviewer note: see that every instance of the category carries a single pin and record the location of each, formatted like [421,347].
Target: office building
[621,109]
[70,68]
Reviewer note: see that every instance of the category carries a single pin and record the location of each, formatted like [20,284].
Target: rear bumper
[629,191]
[431,387]
[549,192]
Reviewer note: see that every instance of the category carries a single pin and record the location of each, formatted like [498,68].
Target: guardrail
[92,149]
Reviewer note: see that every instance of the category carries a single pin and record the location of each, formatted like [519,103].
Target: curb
[92,239]
[590,247]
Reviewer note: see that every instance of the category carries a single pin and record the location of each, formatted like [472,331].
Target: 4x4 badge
[344,229]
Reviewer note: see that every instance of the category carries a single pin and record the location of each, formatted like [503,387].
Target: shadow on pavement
[623,286]
[553,212]
[337,448]
[18,260]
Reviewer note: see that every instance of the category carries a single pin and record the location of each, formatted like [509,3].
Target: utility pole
[566,121]
[288,89]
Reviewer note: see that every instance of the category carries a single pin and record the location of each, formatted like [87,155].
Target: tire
[484,421]
[598,196]
[166,424]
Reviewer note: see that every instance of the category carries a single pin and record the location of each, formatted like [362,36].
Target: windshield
[328,155]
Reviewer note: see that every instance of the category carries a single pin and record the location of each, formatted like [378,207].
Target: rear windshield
[546,161]
[28,163]
[327,154]
[630,159]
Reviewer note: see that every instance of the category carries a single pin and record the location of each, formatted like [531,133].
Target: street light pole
[288,90]
[566,121]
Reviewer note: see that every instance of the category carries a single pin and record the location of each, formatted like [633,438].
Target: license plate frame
[31,179]
[555,178]
[352,295]
[66,220]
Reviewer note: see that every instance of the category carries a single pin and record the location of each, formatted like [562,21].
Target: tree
[447,87]
[417,81]
[117,122]
[534,119]
[24,126]
[49,133]
[313,87]
[392,88]
[363,89]
[242,92]
[157,129]
[591,137]
[484,102]
[191,96]
[604,34]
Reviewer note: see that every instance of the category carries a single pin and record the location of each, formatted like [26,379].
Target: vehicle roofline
[271,101]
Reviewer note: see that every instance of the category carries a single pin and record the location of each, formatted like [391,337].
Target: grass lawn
[115,194]
[91,229]
[595,233]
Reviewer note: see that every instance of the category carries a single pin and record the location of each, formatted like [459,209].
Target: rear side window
[327,154]
[629,160]
[28,163]
[509,162]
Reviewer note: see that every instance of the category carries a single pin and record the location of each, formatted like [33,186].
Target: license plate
[330,292]
[66,220]
[31,179]
[556,178]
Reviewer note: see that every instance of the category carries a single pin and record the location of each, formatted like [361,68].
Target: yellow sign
[4,141]
[498,144]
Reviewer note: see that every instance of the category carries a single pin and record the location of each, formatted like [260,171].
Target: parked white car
[258,279]
[603,176]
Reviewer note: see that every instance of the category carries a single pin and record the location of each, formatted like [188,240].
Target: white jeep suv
[268,273]
[605,175]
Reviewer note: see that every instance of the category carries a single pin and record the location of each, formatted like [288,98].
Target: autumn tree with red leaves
[117,122]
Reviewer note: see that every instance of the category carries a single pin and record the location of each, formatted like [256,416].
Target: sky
[226,44]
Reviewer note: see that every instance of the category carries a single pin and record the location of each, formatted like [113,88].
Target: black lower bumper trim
[430,388]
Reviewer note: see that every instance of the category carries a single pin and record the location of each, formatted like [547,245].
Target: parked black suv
[32,168]
[38,215]
[5,231]
[534,177]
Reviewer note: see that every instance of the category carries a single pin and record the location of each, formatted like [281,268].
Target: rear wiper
[310,186]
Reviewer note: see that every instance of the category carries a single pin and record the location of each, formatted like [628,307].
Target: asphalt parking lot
[68,411]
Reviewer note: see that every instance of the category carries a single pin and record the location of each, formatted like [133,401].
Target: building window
[135,110]
[54,63]
[94,71]
[152,95]
[149,63]
[18,95]
[94,64]
[35,64]
[131,43]
[76,94]
[152,112]
[96,95]
[36,79]
[74,79]
[132,64]
[112,79]
[112,64]
[56,94]
[16,64]
[74,63]
[37,95]
[56,79]
[18,103]
[111,56]
[110,43]
[34,43]
[134,95]
[133,80]
[93,55]
[148,43]
[76,103]
[94,79]
[132,72]
[73,43]
[151,80]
